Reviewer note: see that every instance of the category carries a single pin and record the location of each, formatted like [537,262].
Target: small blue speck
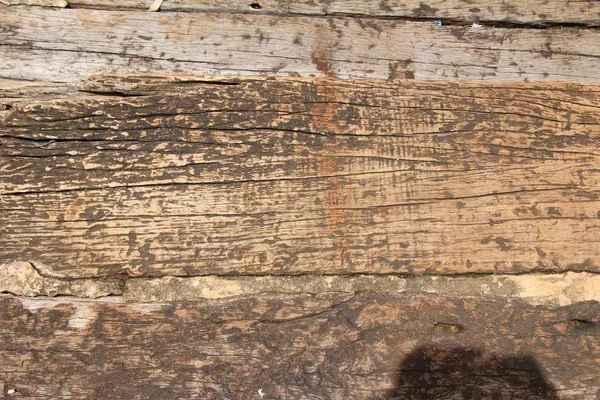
[438,22]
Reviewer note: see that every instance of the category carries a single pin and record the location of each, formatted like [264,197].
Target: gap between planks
[22,278]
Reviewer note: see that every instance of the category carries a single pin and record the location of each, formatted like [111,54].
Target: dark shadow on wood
[435,372]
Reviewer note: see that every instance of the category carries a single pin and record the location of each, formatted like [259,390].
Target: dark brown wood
[300,176]
[327,346]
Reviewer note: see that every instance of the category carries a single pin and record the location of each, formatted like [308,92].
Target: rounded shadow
[437,373]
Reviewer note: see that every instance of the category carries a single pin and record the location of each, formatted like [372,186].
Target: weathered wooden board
[327,346]
[513,11]
[180,176]
[300,176]
[12,90]
[68,45]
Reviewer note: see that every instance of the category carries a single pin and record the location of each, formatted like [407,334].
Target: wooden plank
[513,11]
[303,176]
[69,45]
[325,346]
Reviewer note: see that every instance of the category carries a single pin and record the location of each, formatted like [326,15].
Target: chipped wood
[330,345]
[22,278]
[251,44]
[303,176]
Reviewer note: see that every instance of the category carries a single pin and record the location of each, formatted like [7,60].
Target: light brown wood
[69,45]
[512,11]
[301,176]
[325,346]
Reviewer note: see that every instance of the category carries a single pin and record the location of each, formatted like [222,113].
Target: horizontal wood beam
[302,176]
[507,11]
[330,345]
[69,45]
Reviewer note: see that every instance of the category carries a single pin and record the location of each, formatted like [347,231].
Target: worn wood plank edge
[122,85]
[41,3]
[21,278]
[530,13]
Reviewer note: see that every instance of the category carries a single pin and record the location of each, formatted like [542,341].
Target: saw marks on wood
[69,45]
[326,346]
[303,176]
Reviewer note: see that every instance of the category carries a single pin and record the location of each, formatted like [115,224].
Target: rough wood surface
[41,3]
[300,176]
[69,45]
[326,346]
[143,192]
[512,11]
[21,278]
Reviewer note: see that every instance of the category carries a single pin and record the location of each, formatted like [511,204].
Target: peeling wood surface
[514,11]
[301,176]
[326,346]
[69,45]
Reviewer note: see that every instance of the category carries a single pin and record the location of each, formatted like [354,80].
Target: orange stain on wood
[322,54]
[324,121]
[72,212]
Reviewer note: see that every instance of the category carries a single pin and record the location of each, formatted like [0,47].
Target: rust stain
[322,64]
[325,115]
[322,52]
[324,121]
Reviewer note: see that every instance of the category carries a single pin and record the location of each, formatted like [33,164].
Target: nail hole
[448,328]
[255,6]
[580,324]
[6,107]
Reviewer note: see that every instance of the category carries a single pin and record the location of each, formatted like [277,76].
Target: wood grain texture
[326,346]
[69,45]
[513,11]
[303,176]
